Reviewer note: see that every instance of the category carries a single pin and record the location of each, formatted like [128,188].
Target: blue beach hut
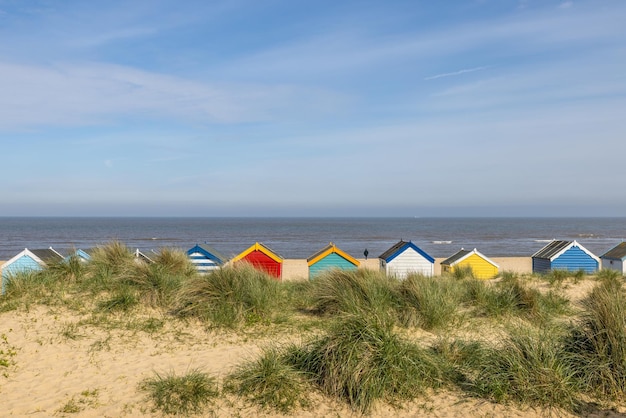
[205,258]
[405,258]
[330,257]
[28,260]
[82,255]
[564,255]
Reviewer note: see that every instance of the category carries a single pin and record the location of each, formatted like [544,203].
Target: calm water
[301,237]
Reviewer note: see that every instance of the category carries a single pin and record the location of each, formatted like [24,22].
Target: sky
[312,108]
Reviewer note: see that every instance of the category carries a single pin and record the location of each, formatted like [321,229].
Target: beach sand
[64,364]
[69,361]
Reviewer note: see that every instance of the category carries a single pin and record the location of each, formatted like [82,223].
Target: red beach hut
[262,258]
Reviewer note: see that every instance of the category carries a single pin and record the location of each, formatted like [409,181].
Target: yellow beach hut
[482,267]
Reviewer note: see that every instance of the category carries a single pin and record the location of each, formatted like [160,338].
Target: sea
[302,237]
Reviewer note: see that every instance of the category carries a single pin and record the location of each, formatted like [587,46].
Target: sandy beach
[64,364]
[76,362]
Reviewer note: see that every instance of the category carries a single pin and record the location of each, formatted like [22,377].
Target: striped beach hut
[405,258]
[29,260]
[330,257]
[614,258]
[482,267]
[564,255]
[262,258]
[205,258]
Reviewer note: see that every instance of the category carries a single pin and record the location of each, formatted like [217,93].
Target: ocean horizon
[299,237]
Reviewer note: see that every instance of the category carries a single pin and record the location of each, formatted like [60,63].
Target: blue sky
[312,108]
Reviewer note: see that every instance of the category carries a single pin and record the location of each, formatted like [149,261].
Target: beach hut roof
[209,252]
[143,257]
[41,256]
[618,252]
[556,248]
[257,246]
[329,249]
[47,254]
[399,248]
[463,254]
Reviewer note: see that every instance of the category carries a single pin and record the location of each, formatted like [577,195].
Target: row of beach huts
[399,260]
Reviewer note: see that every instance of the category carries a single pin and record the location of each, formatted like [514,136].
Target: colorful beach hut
[405,258]
[205,258]
[82,255]
[330,257]
[262,258]
[564,255]
[142,257]
[614,258]
[28,260]
[482,267]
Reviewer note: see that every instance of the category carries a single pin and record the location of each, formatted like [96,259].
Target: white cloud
[86,94]
[455,73]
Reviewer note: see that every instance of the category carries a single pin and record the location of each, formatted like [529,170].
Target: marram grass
[362,361]
[271,382]
[181,395]
[230,297]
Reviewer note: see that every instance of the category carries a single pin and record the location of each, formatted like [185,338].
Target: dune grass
[428,302]
[181,395]
[529,367]
[271,382]
[598,343]
[512,297]
[230,297]
[359,292]
[362,361]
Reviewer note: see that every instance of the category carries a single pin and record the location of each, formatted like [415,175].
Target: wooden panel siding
[608,264]
[264,262]
[409,262]
[541,265]
[202,263]
[575,259]
[332,260]
[24,263]
[481,268]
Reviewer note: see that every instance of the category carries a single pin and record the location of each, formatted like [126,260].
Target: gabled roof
[141,256]
[552,248]
[556,248]
[47,255]
[329,249]
[209,252]
[257,246]
[41,256]
[618,252]
[399,248]
[462,255]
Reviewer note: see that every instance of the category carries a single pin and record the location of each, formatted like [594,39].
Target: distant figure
[365,253]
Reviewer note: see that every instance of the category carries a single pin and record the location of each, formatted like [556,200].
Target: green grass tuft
[181,395]
[598,342]
[429,302]
[271,383]
[231,297]
[361,361]
[359,292]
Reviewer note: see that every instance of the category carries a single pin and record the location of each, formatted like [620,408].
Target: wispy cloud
[88,94]
[455,73]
